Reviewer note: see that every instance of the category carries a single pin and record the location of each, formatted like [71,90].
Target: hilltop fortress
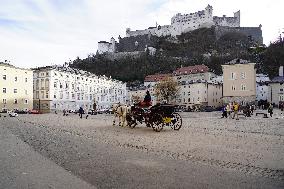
[180,23]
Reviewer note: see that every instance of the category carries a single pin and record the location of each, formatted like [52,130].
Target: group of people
[229,109]
[234,108]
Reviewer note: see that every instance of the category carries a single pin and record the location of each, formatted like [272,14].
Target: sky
[36,33]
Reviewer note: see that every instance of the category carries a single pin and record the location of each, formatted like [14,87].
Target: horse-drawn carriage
[156,117]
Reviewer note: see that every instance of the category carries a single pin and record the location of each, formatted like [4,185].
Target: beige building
[196,94]
[193,74]
[239,77]
[16,88]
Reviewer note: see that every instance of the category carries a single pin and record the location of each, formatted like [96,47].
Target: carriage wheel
[157,122]
[130,121]
[176,122]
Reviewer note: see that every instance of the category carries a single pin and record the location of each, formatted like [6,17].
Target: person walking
[270,109]
[236,110]
[228,109]
[81,111]
[224,112]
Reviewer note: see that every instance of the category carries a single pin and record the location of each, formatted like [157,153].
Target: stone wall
[254,32]
[136,43]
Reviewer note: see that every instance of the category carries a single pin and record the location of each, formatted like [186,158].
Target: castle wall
[254,32]
[226,21]
[180,23]
[119,55]
[128,44]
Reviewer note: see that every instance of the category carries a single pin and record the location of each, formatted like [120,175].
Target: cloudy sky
[43,32]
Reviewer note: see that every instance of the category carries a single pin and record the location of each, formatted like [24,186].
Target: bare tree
[166,89]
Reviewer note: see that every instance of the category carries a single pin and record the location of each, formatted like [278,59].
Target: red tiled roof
[191,70]
[156,77]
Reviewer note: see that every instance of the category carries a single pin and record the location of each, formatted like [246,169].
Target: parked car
[34,112]
[12,114]
[92,112]
[207,109]
[21,111]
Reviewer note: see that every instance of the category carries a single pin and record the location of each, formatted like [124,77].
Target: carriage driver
[147,100]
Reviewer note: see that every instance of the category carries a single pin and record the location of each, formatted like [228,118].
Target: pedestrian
[228,109]
[270,109]
[81,111]
[236,110]
[224,111]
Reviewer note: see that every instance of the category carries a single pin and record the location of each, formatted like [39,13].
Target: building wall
[203,93]
[277,91]
[215,95]
[239,82]
[70,90]
[18,85]
[195,77]
[263,91]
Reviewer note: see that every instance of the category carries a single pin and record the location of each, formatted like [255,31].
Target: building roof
[191,70]
[12,66]
[156,77]
[238,61]
[278,79]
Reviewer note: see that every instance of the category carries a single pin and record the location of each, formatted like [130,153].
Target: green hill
[200,46]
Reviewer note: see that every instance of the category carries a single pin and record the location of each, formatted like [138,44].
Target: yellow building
[16,88]
[239,81]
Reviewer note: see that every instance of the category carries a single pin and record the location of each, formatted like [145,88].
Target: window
[233,87]
[26,101]
[46,94]
[233,75]
[26,80]
[243,75]
[15,101]
[4,90]
[4,77]
[37,95]
[15,91]
[4,101]
[55,85]
[188,99]
[243,87]
[16,78]
[42,94]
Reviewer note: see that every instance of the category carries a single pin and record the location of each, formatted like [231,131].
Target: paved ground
[207,152]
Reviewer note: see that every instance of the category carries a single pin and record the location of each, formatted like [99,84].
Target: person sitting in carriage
[147,100]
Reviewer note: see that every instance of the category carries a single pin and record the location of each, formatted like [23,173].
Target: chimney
[281,71]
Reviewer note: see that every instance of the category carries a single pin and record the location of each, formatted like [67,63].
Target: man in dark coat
[81,111]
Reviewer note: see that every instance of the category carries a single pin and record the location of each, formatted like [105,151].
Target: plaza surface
[207,152]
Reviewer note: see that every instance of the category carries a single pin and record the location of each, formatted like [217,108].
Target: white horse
[120,111]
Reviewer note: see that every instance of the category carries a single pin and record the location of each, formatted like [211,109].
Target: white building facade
[263,89]
[59,88]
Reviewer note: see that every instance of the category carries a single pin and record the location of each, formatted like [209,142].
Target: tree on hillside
[166,89]
[273,58]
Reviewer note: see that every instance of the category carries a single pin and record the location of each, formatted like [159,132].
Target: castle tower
[209,10]
[127,32]
[112,45]
[238,16]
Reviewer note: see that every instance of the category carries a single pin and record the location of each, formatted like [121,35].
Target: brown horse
[120,111]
